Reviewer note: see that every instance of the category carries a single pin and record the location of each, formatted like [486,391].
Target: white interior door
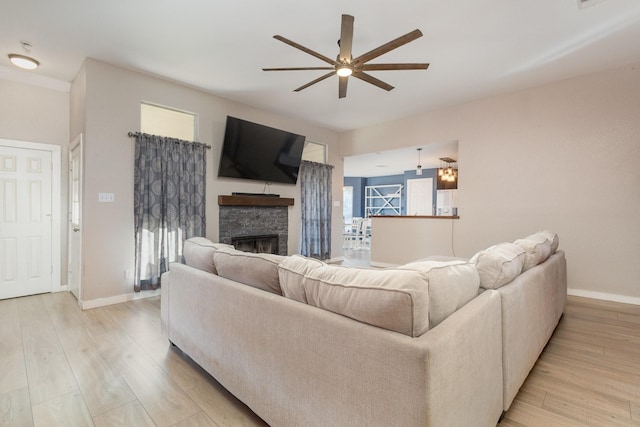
[26,262]
[420,196]
[75,218]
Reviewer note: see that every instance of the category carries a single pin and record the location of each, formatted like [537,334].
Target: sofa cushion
[257,270]
[553,239]
[499,264]
[537,249]
[291,271]
[392,299]
[198,253]
[452,284]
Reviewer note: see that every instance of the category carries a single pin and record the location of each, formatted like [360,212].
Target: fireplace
[242,217]
[267,243]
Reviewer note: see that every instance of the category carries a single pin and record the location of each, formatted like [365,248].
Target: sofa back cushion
[198,253]
[392,299]
[499,264]
[537,249]
[552,237]
[291,272]
[451,284]
[257,270]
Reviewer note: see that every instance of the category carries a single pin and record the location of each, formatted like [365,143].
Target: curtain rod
[207,146]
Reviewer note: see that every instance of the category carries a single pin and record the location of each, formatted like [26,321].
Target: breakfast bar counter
[399,239]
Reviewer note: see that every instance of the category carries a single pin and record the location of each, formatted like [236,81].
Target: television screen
[253,151]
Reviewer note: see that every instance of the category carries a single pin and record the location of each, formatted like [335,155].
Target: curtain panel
[316,202]
[169,203]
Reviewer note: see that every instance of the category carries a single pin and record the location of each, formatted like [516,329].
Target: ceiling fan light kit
[345,66]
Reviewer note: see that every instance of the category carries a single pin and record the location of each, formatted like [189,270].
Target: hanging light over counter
[448,170]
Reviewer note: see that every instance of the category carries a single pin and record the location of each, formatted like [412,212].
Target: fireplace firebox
[267,243]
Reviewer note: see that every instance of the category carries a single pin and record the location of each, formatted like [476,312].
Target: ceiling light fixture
[448,172]
[344,71]
[419,167]
[23,61]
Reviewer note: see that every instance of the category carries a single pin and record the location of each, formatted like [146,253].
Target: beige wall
[37,114]
[563,156]
[112,109]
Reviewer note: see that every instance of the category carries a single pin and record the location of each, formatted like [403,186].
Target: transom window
[165,121]
[314,152]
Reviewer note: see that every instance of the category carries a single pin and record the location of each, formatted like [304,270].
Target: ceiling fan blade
[342,86]
[384,67]
[298,68]
[346,38]
[393,44]
[370,79]
[306,50]
[319,79]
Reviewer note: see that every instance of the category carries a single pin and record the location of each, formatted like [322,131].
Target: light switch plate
[106,197]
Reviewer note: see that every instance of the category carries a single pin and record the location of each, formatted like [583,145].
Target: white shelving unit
[383,200]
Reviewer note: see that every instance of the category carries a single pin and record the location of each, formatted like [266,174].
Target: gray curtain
[169,203]
[315,197]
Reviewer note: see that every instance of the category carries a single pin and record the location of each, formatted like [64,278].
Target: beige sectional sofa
[303,343]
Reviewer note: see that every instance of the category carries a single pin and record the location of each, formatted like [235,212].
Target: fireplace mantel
[254,201]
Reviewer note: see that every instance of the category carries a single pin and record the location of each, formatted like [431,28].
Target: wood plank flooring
[589,372]
[111,366]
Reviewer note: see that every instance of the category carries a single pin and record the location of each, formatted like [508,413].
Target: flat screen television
[258,152]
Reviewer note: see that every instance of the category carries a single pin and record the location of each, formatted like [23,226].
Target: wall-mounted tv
[263,153]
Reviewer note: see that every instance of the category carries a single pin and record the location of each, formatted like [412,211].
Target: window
[314,152]
[164,121]
[347,204]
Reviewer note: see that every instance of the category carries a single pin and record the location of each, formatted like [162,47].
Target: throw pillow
[553,239]
[536,250]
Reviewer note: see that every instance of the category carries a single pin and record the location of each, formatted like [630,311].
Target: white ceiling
[476,48]
[395,162]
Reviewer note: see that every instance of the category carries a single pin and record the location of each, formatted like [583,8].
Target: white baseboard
[604,296]
[102,302]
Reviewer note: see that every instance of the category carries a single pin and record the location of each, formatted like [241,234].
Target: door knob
[76,229]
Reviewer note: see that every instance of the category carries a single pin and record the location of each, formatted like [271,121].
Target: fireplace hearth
[267,243]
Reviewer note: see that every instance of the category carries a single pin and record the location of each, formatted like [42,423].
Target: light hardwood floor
[111,366]
[589,372]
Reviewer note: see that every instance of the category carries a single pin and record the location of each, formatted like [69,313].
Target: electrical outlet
[128,274]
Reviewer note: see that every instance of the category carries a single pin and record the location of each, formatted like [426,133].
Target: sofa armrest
[464,361]
[532,305]
[164,303]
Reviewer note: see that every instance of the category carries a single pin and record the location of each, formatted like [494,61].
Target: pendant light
[419,167]
[448,171]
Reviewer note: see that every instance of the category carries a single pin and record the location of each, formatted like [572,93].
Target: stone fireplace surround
[242,216]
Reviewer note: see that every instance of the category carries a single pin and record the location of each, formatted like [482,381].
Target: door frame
[56,224]
[78,141]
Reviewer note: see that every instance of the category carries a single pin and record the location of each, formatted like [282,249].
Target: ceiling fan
[345,66]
